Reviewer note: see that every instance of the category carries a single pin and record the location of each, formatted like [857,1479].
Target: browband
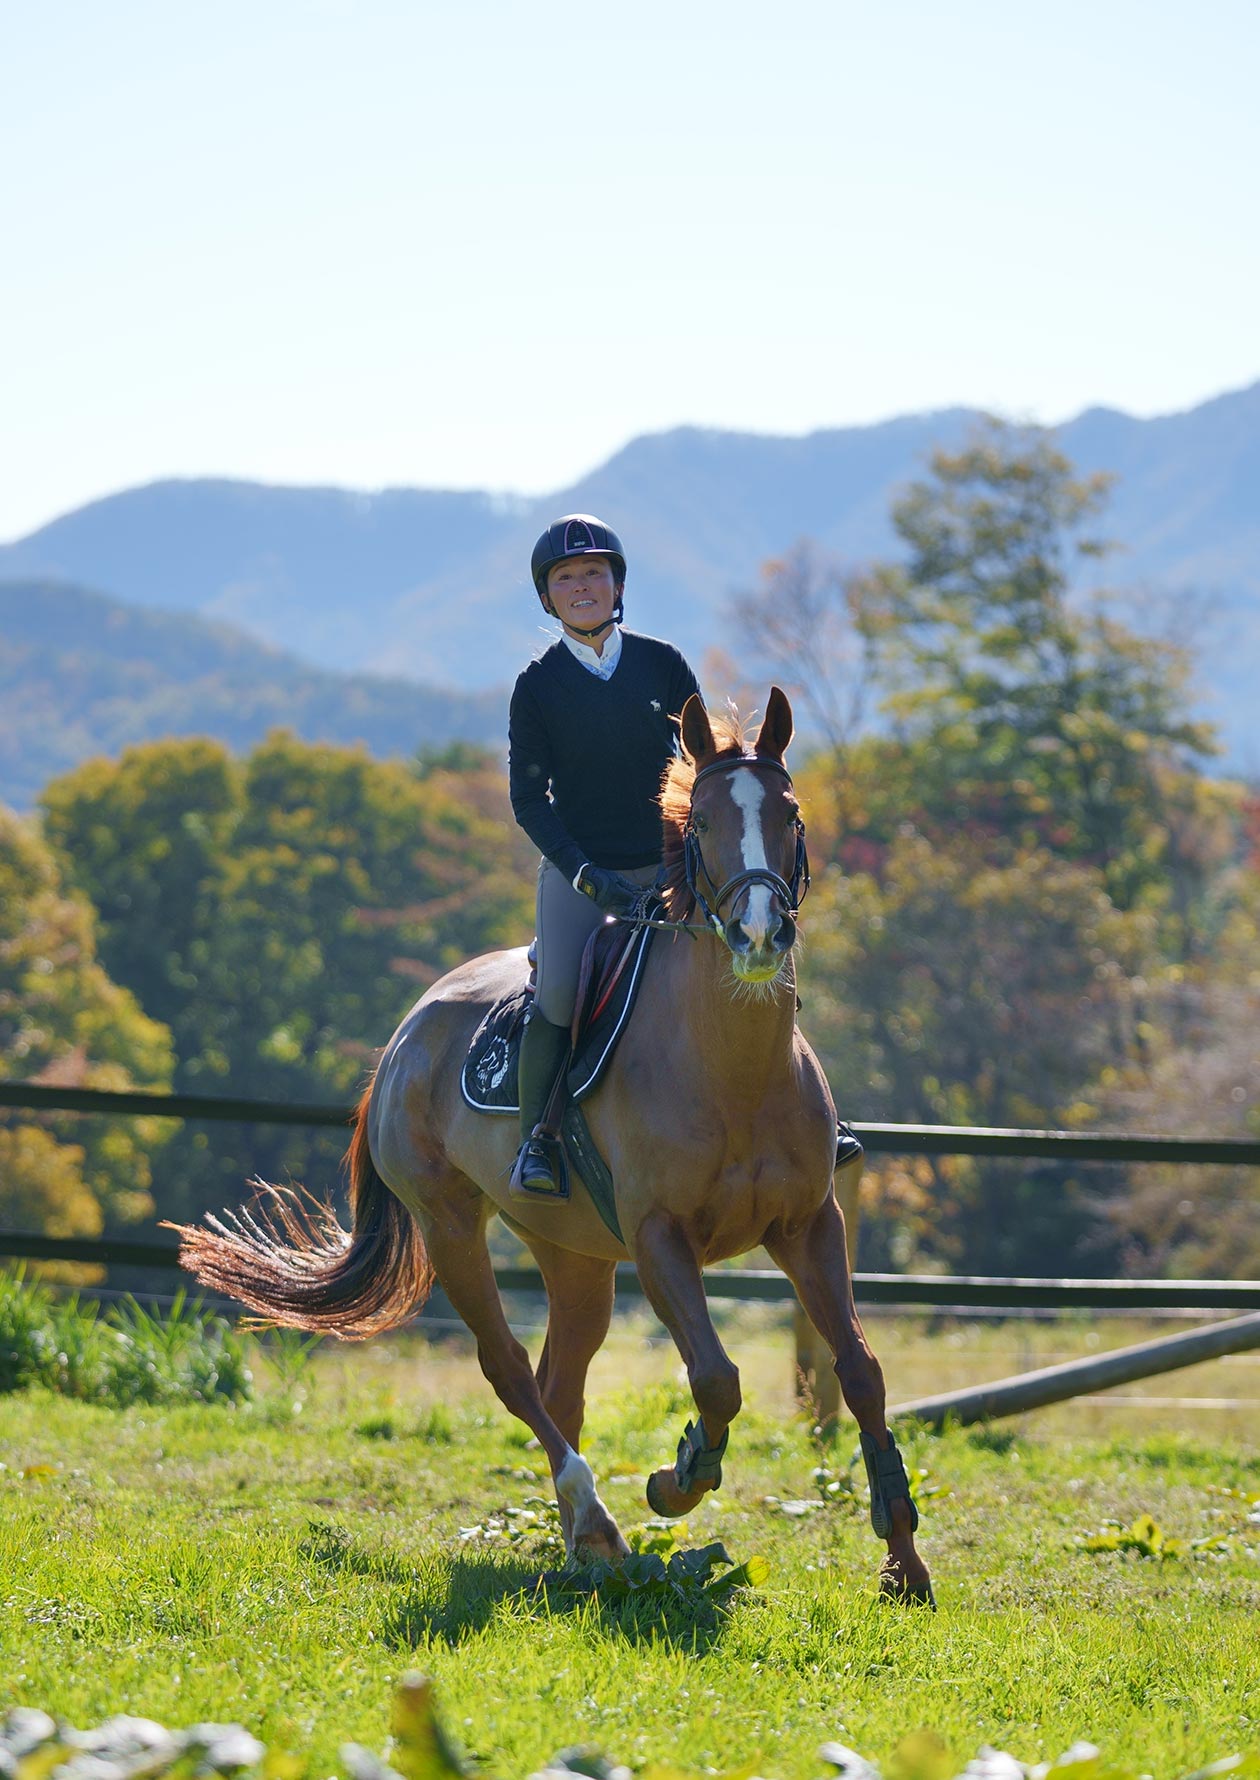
[726,766]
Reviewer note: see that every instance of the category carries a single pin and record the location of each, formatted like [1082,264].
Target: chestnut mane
[675,802]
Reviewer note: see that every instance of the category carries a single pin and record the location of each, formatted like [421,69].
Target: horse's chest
[746,1194]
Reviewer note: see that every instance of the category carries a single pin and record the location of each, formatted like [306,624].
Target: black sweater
[586,755]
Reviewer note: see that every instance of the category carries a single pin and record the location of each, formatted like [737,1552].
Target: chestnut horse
[717,1124]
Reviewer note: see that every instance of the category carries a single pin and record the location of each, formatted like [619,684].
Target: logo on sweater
[656,704]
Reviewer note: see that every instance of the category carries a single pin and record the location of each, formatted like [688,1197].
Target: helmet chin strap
[596,631]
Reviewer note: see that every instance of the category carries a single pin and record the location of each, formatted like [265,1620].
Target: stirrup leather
[886,1475]
[698,1462]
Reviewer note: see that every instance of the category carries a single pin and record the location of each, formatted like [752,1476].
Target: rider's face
[583,593]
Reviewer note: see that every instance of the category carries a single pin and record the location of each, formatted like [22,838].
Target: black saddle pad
[488,1079]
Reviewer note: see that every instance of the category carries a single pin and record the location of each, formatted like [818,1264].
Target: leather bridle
[789,893]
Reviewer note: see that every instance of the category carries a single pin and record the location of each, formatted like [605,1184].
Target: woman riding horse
[713,1117]
[586,753]
[593,724]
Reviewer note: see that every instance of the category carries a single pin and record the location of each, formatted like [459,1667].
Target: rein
[790,893]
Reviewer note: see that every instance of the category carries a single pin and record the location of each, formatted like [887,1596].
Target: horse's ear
[696,730]
[776,730]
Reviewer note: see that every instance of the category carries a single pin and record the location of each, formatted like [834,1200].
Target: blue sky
[484,245]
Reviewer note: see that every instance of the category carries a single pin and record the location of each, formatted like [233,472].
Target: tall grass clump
[123,1355]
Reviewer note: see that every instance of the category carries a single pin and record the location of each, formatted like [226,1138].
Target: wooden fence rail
[917,1140]
[768,1285]
[942,1291]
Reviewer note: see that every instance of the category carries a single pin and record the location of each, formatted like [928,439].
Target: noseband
[789,894]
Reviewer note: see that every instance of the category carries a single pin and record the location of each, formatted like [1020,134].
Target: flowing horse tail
[287,1257]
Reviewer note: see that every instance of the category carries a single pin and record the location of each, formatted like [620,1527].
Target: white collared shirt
[602,666]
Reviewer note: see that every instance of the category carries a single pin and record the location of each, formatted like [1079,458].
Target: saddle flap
[611,974]
[604,959]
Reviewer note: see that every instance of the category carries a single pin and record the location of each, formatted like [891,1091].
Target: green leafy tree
[142,836]
[64,1021]
[309,891]
[1037,879]
[1043,719]
[950,989]
[1200,1074]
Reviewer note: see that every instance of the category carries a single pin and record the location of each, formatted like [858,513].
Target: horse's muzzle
[759,955]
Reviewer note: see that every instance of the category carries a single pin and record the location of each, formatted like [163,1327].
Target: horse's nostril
[785,934]
[736,938]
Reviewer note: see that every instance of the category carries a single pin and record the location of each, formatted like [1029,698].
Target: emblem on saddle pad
[492,1065]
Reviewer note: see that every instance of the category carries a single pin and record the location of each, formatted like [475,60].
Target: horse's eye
[702,826]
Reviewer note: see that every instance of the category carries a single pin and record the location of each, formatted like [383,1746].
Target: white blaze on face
[749,795]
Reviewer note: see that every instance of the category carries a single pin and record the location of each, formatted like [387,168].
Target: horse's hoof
[606,1548]
[904,1592]
[664,1497]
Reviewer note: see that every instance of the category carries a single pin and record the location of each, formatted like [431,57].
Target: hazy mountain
[82,674]
[436,584]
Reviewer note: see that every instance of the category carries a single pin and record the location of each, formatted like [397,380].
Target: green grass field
[281,1565]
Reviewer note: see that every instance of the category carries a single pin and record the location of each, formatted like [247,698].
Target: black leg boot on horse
[539,1171]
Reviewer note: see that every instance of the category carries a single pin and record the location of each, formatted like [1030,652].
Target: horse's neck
[736,1032]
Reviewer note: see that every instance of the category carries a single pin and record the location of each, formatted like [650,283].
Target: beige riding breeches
[565,921]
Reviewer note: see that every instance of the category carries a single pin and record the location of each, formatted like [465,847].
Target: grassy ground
[282,1564]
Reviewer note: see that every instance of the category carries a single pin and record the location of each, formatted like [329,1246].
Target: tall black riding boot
[539,1171]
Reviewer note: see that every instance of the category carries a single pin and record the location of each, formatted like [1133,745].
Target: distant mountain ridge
[82,674]
[435,585]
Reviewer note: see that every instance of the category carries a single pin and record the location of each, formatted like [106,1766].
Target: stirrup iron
[520,1188]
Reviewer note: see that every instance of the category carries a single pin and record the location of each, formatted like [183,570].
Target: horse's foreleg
[671,1278]
[814,1259]
[457,1248]
[579,1308]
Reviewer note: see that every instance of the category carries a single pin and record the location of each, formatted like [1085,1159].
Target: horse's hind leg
[814,1259]
[580,1292]
[455,1237]
[672,1279]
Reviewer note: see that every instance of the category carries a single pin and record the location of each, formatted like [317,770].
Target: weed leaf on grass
[687,1577]
[1145,1537]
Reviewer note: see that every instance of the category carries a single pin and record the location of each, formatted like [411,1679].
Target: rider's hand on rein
[609,890]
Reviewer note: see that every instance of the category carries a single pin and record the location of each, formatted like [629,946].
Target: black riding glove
[608,890]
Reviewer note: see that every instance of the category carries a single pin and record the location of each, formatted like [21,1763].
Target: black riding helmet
[577,534]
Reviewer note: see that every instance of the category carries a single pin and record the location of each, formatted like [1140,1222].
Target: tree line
[1033,903]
